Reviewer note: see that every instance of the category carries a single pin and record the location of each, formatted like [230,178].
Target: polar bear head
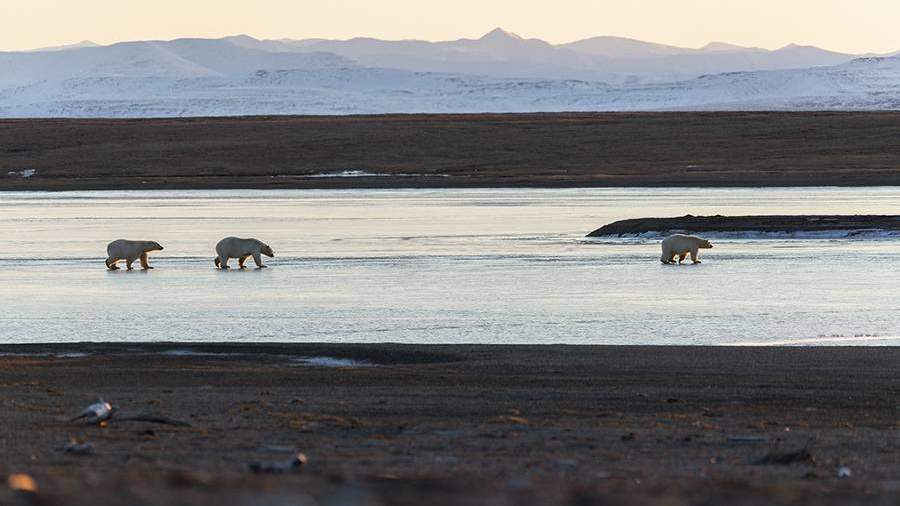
[704,244]
[154,246]
[266,250]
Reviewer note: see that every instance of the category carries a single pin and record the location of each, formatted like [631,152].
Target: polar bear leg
[667,256]
[222,263]
[128,262]
[695,253]
[258,260]
[681,257]
[144,263]
[111,264]
[242,260]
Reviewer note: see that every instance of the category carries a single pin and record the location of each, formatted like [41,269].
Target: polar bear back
[123,248]
[235,247]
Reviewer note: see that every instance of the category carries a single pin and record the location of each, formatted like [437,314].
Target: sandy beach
[454,151]
[454,424]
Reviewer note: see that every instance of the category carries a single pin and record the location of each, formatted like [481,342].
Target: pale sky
[856,26]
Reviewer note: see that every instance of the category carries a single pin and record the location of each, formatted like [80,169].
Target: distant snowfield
[237,76]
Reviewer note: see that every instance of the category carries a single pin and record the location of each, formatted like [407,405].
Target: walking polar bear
[681,245]
[123,249]
[242,249]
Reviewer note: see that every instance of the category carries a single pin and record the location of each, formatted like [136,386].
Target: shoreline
[391,352]
[144,188]
[457,424]
[549,150]
[139,184]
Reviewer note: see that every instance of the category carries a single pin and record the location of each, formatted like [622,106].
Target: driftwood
[102,411]
[164,420]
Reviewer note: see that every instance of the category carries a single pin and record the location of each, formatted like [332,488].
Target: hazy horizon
[866,27]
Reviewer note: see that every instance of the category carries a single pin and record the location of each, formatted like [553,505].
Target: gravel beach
[563,150]
[454,424]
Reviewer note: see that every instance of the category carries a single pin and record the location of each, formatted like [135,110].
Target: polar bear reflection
[242,249]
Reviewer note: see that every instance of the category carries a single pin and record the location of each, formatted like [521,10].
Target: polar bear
[681,245]
[233,247]
[123,249]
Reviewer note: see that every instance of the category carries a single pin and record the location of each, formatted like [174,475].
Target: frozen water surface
[443,266]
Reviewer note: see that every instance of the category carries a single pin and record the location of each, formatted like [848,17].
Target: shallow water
[442,266]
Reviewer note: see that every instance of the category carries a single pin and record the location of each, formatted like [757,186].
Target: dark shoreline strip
[560,150]
[789,224]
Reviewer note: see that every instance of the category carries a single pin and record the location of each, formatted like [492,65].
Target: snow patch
[192,353]
[68,354]
[24,173]
[331,362]
[348,173]
[363,173]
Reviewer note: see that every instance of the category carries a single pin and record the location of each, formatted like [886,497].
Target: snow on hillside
[243,76]
[863,84]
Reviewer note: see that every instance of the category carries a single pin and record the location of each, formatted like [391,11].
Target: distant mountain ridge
[611,59]
[500,72]
[500,53]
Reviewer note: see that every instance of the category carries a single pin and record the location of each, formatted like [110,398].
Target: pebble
[22,483]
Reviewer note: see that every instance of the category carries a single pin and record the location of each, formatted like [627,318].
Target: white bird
[279,467]
[98,412]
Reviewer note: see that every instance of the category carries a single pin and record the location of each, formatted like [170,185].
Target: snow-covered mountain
[863,84]
[242,76]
